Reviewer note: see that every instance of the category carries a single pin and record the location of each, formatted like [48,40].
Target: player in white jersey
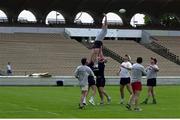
[136,77]
[98,44]
[9,69]
[82,73]
[125,79]
[152,70]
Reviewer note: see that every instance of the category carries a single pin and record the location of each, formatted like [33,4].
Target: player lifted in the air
[98,44]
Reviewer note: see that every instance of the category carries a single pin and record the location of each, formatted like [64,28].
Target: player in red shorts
[136,76]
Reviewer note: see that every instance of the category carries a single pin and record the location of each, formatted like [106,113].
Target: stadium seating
[37,53]
[135,50]
[172,43]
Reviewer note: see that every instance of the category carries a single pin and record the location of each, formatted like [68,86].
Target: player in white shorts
[125,79]
[81,73]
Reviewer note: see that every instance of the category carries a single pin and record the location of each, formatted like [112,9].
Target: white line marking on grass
[52,113]
[33,109]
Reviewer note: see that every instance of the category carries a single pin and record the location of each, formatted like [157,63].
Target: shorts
[151,82]
[9,72]
[91,81]
[84,88]
[136,86]
[98,44]
[125,81]
[96,71]
[100,82]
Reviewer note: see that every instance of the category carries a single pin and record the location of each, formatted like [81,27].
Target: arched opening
[55,17]
[26,16]
[113,19]
[83,18]
[169,20]
[3,17]
[140,20]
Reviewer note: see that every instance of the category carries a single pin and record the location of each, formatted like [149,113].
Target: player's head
[84,61]
[139,60]
[127,58]
[153,60]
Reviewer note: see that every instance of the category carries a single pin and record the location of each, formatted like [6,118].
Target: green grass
[62,102]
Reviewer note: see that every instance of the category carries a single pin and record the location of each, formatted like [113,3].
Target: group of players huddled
[91,76]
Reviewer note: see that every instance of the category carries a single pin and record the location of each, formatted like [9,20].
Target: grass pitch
[62,102]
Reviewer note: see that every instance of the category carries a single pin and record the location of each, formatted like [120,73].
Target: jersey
[82,72]
[137,72]
[101,35]
[151,72]
[125,73]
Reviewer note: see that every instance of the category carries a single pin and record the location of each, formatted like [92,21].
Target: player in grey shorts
[81,73]
[152,70]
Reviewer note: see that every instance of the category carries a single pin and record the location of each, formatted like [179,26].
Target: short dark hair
[155,60]
[83,61]
[139,60]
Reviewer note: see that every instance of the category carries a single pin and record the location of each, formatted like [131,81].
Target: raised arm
[105,24]
[102,34]
[144,73]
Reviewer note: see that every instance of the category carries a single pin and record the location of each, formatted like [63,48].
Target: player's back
[82,73]
[137,72]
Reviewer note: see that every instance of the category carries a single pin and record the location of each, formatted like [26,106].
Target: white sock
[92,98]
[84,100]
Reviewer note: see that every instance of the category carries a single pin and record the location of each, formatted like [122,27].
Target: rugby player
[98,44]
[92,84]
[100,81]
[81,73]
[137,72]
[125,79]
[152,70]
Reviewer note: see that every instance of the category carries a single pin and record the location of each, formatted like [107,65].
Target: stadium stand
[135,50]
[172,43]
[38,53]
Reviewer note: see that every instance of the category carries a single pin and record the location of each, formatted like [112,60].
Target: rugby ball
[122,10]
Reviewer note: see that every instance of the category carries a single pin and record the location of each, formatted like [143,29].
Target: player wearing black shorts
[125,79]
[98,44]
[92,83]
[152,70]
[100,81]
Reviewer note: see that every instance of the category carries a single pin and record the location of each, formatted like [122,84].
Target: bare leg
[137,94]
[122,93]
[101,53]
[83,95]
[104,93]
[149,94]
[91,100]
[128,86]
[153,96]
[101,95]
[94,90]
[94,54]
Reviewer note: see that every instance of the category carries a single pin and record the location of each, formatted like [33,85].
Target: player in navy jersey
[100,81]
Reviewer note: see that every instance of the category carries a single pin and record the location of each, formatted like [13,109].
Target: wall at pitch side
[30,30]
